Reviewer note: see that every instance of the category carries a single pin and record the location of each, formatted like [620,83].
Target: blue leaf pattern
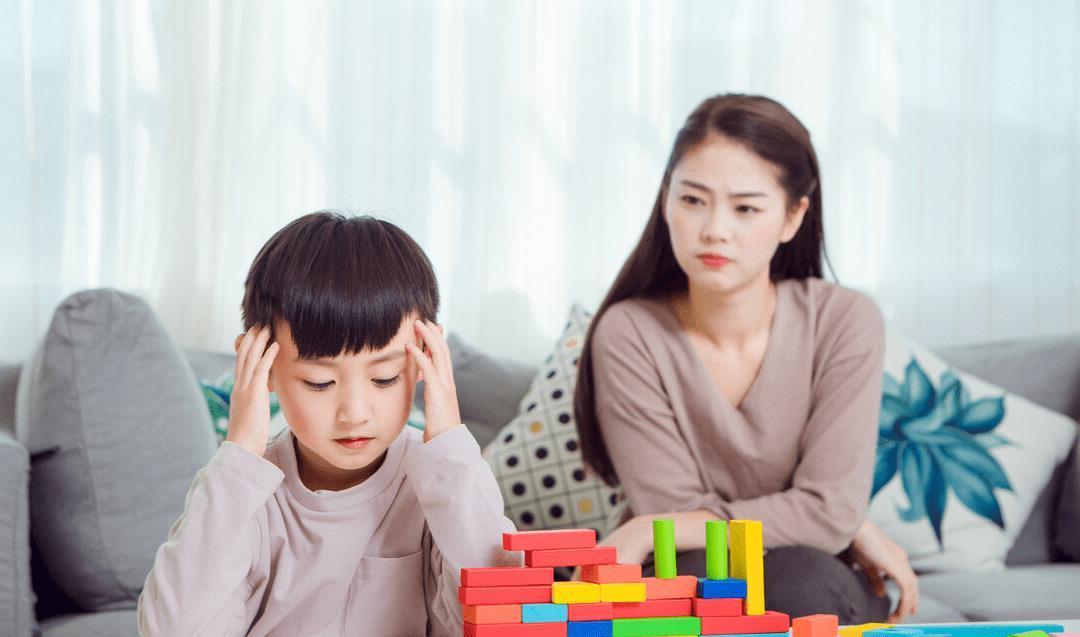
[938,440]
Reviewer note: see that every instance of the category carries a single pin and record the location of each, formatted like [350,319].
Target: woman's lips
[713,260]
[353,443]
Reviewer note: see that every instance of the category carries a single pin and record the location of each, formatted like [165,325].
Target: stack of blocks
[614,600]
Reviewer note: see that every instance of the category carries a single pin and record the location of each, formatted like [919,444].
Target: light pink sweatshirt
[257,553]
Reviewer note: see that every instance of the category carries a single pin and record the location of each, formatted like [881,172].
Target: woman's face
[727,214]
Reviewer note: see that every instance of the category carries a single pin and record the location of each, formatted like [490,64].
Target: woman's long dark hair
[774,134]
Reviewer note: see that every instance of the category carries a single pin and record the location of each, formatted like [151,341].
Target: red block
[481,596]
[720,608]
[571,557]
[613,573]
[590,612]
[815,626]
[547,540]
[507,576]
[770,622]
[678,587]
[547,629]
[654,608]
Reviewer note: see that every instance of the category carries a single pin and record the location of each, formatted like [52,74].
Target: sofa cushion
[16,594]
[1067,535]
[117,428]
[1045,591]
[116,623]
[961,463]
[536,457]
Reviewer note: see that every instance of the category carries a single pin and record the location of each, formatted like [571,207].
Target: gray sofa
[1040,583]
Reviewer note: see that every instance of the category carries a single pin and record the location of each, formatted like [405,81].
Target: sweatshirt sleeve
[827,498]
[463,509]
[198,584]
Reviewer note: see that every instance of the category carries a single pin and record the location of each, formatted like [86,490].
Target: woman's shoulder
[837,312]
[633,319]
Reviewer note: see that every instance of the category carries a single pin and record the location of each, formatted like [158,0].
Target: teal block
[541,613]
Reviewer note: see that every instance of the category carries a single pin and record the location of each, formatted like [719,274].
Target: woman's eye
[692,200]
[319,386]
[385,382]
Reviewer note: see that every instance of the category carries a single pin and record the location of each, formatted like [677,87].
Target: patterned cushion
[960,462]
[536,457]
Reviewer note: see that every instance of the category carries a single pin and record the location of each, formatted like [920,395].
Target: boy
[347,523]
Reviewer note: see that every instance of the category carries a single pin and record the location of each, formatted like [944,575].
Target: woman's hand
[249,406]
[437,371]
[880,558]
[632,541]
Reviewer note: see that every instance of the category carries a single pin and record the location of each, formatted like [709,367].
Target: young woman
[724,379]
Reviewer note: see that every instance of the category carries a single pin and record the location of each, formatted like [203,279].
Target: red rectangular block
[479,596]
[546,629]
[770,622]
[679,587]
[590,612]
[815,626]
[571,557]
[720,608]
[611,573]
[548,540]
[497,614]
[653,608]
[507,576]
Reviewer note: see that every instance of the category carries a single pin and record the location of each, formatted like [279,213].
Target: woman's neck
[729,319]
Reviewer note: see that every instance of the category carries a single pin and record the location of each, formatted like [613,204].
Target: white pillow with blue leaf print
[960,462]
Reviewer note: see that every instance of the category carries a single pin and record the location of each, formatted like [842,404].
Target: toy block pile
[613,599]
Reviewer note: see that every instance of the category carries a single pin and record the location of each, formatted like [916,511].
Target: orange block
[815,626]
[679,587]
[611,573]
[493,614]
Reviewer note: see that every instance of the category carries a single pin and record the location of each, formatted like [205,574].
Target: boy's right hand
[249,407]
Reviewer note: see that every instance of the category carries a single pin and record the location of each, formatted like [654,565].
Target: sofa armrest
[16,592]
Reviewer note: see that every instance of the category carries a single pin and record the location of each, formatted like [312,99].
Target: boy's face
[346,410]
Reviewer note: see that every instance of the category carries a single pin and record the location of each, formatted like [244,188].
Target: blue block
[540,613]
[963,630]
[723,589]
[589,629]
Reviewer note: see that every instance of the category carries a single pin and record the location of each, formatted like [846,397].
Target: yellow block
[622,592]
[748,562]
[857,631]
[575,593]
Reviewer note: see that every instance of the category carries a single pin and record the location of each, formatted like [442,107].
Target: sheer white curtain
[154,146]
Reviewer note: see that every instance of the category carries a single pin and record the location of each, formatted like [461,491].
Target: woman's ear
[793,220]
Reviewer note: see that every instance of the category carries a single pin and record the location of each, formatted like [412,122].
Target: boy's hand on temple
[440,395]
[249,407]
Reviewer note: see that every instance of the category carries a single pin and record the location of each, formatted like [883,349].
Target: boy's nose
[354,411]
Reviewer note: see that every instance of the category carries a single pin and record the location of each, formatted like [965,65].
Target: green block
[663,535]
[656,627]
[716,550]
[1032,633]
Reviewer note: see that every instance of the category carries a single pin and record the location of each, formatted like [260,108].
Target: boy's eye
[385,382]
[746,209]
[692,200]
[319,386]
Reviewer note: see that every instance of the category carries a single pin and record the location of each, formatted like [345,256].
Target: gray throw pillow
[117,428]
[16,596]
[1067,534]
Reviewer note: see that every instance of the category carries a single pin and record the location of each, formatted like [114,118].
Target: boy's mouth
[353,443]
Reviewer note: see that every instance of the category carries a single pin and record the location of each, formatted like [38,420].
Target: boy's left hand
[440,395]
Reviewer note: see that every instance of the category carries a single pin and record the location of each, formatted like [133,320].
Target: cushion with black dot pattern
[536,458]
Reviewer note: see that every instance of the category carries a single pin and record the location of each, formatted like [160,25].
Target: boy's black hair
[343,284]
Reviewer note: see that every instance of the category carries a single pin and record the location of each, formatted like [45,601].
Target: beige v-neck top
[797,453]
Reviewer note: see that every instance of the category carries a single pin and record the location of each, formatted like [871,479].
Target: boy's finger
[242,352]
[255,353]
[422,360]
[440,353]
[262,370]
